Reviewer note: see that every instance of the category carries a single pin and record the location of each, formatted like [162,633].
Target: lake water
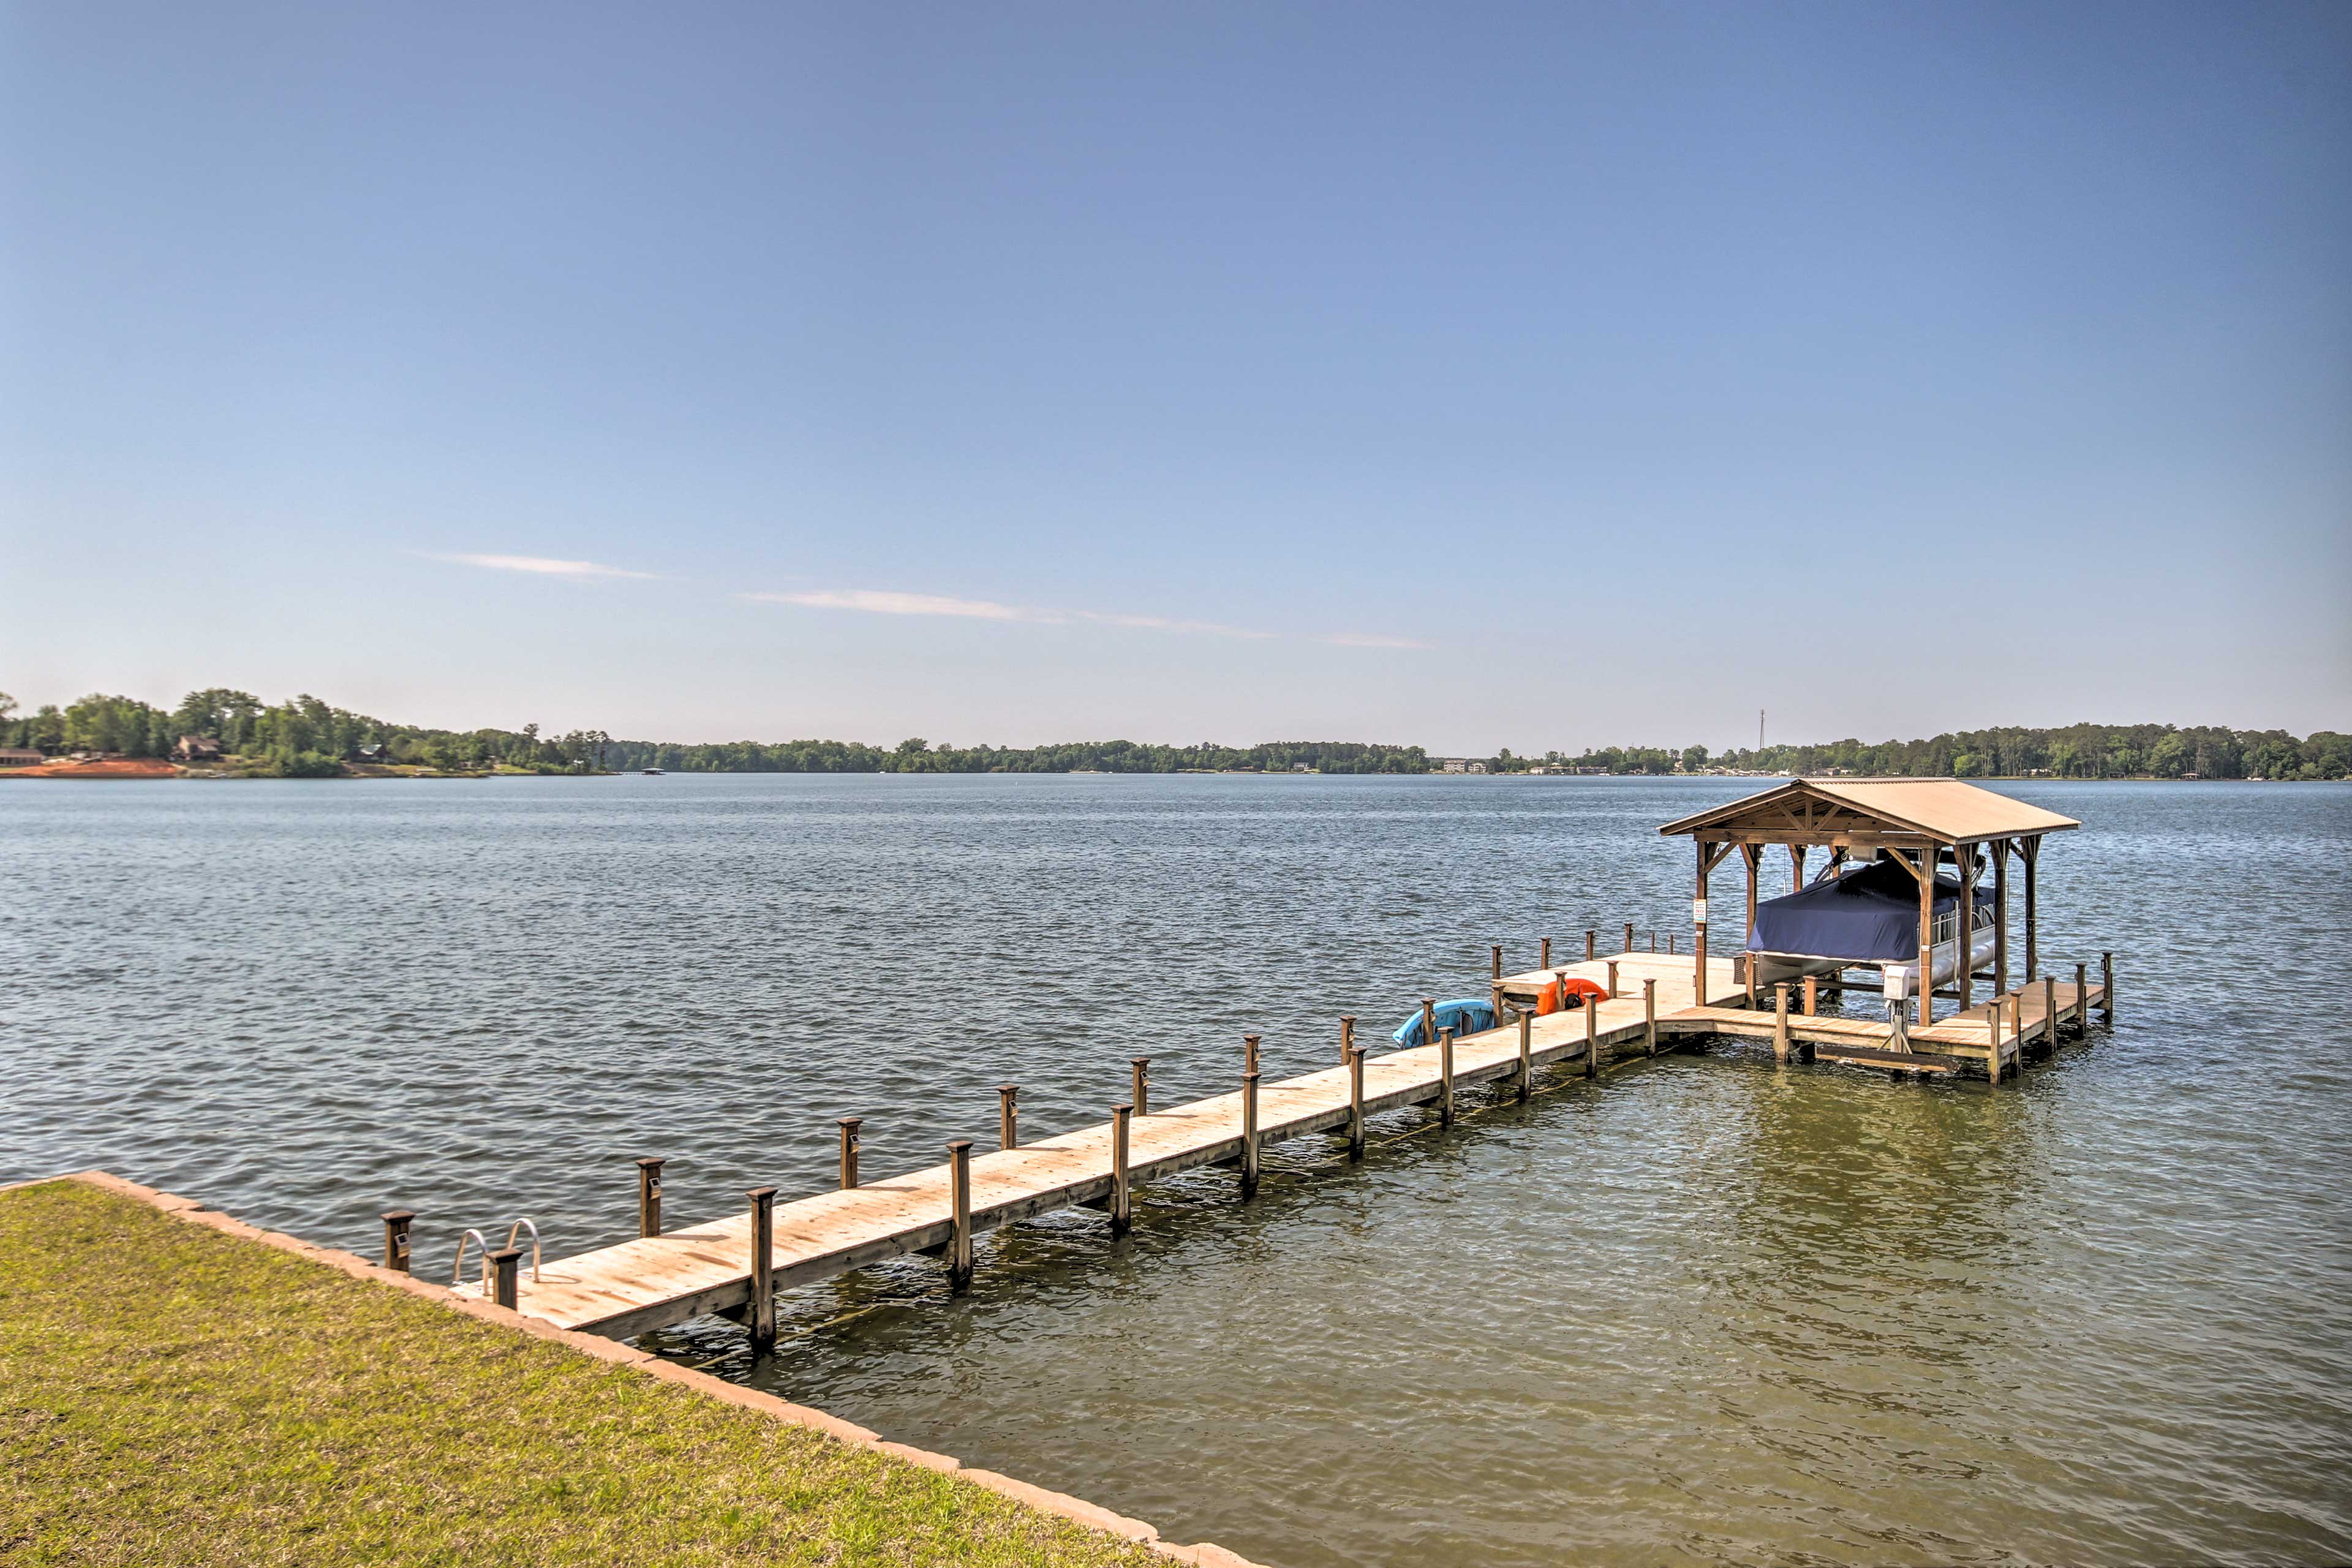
[1706,1310]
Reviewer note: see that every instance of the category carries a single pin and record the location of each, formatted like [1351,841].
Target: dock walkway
[655,1281]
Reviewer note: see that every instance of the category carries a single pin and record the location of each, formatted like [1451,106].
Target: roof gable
[1946,810]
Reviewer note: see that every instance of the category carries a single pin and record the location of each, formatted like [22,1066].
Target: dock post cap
[959,1146]
[655,1160]
[852,1122]
[761,1195]
[1008,1089]
[398,1216]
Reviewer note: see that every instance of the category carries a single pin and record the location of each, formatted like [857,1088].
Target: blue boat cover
[1467,1016]
[1870,913]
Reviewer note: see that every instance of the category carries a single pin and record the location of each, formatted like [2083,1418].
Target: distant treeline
[306,735]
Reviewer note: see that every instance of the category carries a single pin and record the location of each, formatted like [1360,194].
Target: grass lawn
[172,1395]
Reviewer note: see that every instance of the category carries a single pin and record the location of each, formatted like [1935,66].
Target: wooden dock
[677,1275]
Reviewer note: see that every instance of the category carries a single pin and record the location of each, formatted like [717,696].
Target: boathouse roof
[1826,811]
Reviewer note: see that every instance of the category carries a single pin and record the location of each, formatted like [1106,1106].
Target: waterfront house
[196,749]
[20,757]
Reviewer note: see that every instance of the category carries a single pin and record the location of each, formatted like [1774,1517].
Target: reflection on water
[1706,1310]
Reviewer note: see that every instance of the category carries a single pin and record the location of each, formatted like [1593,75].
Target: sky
[1478,376]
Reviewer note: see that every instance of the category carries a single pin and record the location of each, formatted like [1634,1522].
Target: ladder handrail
[457,1269]
[522,1224]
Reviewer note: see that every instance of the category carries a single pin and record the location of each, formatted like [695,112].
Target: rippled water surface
[1705,1310]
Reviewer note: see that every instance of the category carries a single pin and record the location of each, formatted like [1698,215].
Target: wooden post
[1138,1084]
[1527,1055]
[1249,1134]
[1498,961]
[762,1318]
[1698,921]
[1653,941]
[395,1239]
[1356,1101]
[1650,1015]
[1347,1036]
[1670,947]
[1613,980]
[1428,1023]
[1754,855]
[2107,989]
[1122,1212]
[2001,916]
[1591,944]
[849,1126]
[1992,1021]
[1545,961]
[960,1251]
[1629,936]
[1747,963]
[1964,925]
[649,1197]
[2028,850]
[2082,1001]
[1495,1000]
[1591,1037]
[1780,1024]
[506,1265]
[1926,936]
[1812,995]
[1008,1116]
[1445,1077]
[1249,1053]
[2050,1012]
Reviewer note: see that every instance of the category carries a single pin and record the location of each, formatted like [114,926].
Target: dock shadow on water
[1704,1308]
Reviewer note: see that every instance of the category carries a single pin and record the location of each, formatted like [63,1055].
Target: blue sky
[1481,375]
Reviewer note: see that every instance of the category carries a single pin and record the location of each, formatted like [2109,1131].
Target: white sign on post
[1699,911]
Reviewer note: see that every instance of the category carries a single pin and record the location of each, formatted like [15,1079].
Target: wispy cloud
[1368,639]
[540,565]
[1163,624]
[878,602]
[882,601]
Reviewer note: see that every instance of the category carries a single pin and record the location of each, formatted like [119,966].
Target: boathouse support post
[1138,1084]
[1964,923]
[1754,855]
[2000,915]
[1008,1116]
[505,1267]
[2028,850]
[1699,923]
[1355,1101]
[1797,868]
[2107,989]
[1527,1055]
[849,1126]
[1249,1134]
[761,1316]
[959,1251]
[1122,1207]
[650,1172]
[2082,1001]
[1926,936]
[1780,1024]
[1445,1077]
[1649,1016]
[1591,1037]
[396,1238]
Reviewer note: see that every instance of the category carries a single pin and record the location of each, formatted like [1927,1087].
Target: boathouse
[1884,838]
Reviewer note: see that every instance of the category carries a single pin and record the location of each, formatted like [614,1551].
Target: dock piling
[1812,995]
[1649,1016]
[1527,1055]
[1008,1116]
[1613,980]
[1249,1053]
[959,1215]
[763,1315]
[395,1239]
[1355,1103]
[1498,961]
[1592,943]
[1545,962]
[849,1126]
[2082,1001]
[1992,1026]
[1140,1084]
[1591,1037]
[1445,1077]
[650,1172]
[1249,1134]
[1629,936]
[1779,1022]
[2050,1012]
[1346,1037]
[2107,989]
[1428,1022]
[506,1265]
[1121,1208]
